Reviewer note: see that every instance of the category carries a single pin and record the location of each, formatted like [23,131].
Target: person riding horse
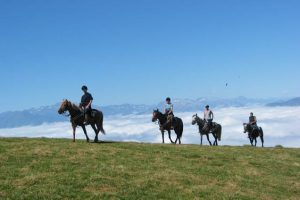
[253,121]
[253,130]
[169,110]
[208,117]
[86,104]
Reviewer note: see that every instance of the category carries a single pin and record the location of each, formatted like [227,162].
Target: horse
[166,125]
[253,133]
[216,130]
[77,119]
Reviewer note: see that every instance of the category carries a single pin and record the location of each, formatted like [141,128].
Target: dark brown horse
[253,133]
[216,130]
[77,119]
[165,125]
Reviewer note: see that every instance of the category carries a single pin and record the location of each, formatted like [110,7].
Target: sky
[144,50]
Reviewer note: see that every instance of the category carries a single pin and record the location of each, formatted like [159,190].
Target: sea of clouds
[281,126]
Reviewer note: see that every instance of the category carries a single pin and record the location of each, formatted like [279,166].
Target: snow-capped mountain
[291,102]
[48,114]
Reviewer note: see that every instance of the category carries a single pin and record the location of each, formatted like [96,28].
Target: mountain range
[48,114]
[290,102]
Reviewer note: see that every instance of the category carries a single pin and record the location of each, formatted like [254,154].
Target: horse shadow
[103,142]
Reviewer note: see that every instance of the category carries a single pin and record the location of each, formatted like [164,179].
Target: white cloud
[280,124]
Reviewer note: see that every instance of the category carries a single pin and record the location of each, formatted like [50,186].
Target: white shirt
[208,115]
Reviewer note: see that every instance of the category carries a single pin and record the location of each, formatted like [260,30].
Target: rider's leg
[87,117]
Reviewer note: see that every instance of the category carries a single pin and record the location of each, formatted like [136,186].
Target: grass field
[61,169]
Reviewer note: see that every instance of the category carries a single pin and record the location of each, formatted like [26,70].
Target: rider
[169,110]
[253,121]
[208,117]
[86,103]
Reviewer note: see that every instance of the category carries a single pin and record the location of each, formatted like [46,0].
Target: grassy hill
[60,169]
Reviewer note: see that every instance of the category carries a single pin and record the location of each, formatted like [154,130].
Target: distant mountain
[48,114]
[291,102]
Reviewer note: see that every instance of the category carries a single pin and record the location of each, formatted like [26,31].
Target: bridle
[156,119]
[68,115]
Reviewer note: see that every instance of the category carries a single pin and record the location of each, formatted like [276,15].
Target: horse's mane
[74,106]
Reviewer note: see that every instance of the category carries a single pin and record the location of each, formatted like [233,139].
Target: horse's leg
[201,138]
[207,136]
[216,139]
[261,135]
[214,144]
[262,140]
[250,138]
[177,138]
[255,141]
[84,130]
[96,132]
[169,132]
[163,137]
[74,131]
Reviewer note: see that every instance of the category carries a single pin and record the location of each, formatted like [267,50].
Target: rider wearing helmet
[253,121]
[208,117]
[169,110]
[86,103]
[168,107]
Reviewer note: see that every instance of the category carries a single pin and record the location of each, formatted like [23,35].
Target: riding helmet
[168,99]
[84,88]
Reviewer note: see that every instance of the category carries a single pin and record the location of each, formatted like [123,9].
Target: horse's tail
[219,132]
[180,130]
[261,135]
[100,123]
[261,132]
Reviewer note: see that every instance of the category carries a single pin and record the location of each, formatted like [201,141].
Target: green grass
[61,169]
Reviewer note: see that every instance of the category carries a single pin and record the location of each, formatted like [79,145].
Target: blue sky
[142,51]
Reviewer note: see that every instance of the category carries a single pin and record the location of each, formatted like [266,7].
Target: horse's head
[246,127]
[195,119]
[198,120]
[64,106]
[155,115]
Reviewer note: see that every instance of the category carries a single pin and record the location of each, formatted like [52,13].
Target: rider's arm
[212,115]
[89,104]
[171,109]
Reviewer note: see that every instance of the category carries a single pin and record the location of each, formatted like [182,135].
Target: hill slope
[58,168]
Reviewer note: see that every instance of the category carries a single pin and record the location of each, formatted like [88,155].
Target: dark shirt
[252,119]
[85,99]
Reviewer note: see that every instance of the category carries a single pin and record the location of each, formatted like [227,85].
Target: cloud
[280,124]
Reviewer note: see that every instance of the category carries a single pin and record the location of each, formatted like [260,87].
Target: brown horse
[77,119]
[165,124]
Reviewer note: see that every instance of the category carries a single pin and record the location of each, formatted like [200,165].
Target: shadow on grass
[104,142]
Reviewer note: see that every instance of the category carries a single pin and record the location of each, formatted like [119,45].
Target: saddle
[170,119]
[208,128]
